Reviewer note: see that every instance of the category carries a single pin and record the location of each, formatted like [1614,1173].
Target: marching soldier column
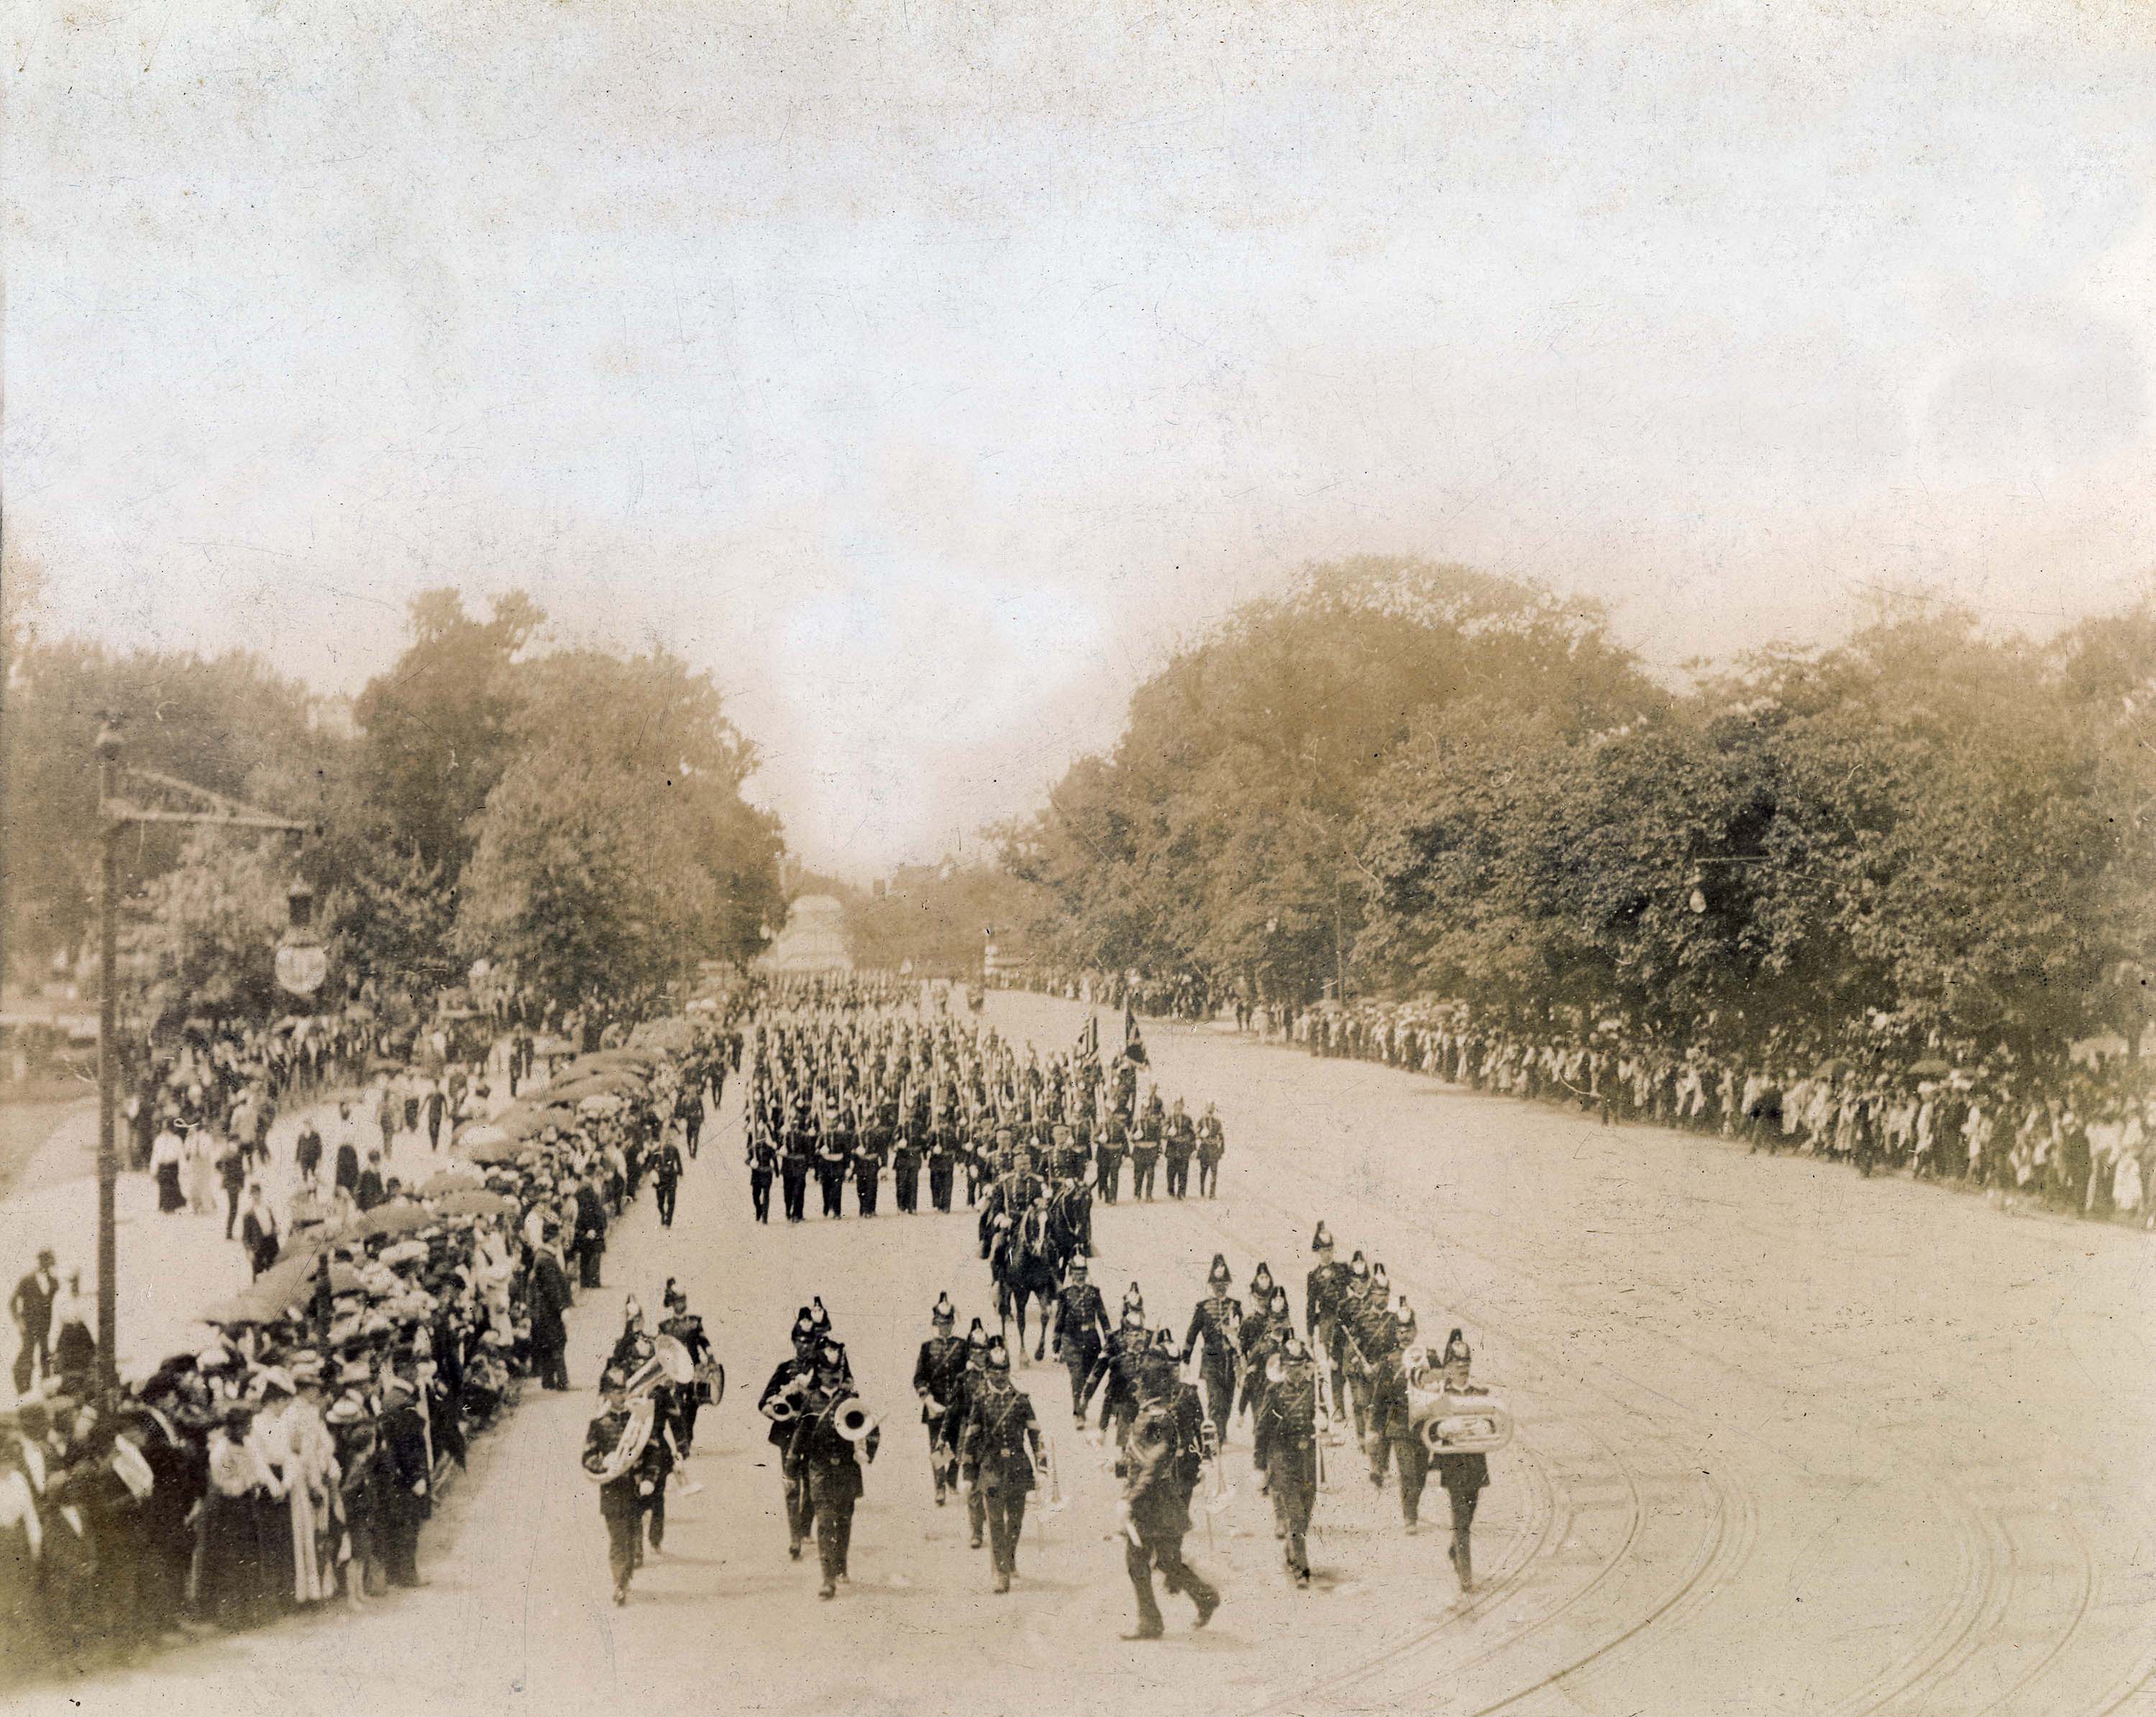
[844,1089]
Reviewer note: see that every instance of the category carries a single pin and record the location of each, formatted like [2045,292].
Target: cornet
[785,1407]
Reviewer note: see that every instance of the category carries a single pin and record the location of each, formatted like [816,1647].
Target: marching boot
[1003,1580]
[828,1591]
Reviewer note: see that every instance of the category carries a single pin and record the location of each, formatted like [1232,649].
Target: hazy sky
[926,372]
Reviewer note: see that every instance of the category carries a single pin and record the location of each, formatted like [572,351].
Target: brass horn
[785,1407]
[852,1419]
[669,1363]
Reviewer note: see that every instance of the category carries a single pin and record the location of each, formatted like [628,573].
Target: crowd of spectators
[2075,1133]
[294,1458]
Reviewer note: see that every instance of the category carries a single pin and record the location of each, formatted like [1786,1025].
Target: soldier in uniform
[1321,1305]
[1155,1510]
[999,1450]
[666,1180]
[762,1159]
[942,1160]
[1181,1139]
[620,1504]
[938,1373]
[1392,1434]
[835,1154]
[1263,1333]
[1079,1329]
[689,1399]
[828,1463]
[793,1169]
[1212,1146]
[1118,1364]
[977,1354]
[1218,1321]
[781,1403]
[906,1172]
[1107,1157]
[1285,1433]
[868,1170]
[1462,1475]
[1145,1148]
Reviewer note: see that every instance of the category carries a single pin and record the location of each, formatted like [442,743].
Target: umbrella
[476,1202]
[664,1034]
[245,1307]
[475,1133]
[384,1063]
[289,1280]
[450,1180]
[1931,1068]
[619,1079]
[506,1151]
[399,1216]
[599,1102]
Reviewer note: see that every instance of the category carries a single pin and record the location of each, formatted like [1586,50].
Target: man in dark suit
[546,1299]
[31,1305]
[407,1500]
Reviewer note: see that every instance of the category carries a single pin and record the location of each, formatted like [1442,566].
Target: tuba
[669,1363]
[602,1466]
[1475,1423]
[852,1420]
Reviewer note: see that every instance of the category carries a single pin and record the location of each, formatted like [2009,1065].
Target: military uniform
[827,1464]
[620,1505]
[1182,1143]
[905,1174]
[1286,1451]
[937,1374]
[1110,1148]
[666,1181]
[998,1450]
[1392,1435]
[789,1380]
[1212,1146]
[835,1154]
[943,1160]
[762,1161]
[1157,1516]
[793,1172]
[1216,1326]
[1119,1365]
[1145,1153]
[868,1171]
[1082,1330]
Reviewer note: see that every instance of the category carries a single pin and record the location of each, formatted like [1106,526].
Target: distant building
[333,715]
[815,939]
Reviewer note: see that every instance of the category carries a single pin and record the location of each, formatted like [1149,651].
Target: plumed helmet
[977,1336]
[1132,1297]
[997,1356]
[1218,1275]
[1322,1241]
[1457,1350]
[944,1312]
[1261,1281]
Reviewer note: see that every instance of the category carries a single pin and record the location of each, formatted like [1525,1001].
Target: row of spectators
[2074,1135]
[295,1459]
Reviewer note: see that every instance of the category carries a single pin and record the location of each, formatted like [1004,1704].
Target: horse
[1023,1269]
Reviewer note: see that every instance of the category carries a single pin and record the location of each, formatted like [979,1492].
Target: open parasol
[451,1180]
[400,1216]
[476,1202]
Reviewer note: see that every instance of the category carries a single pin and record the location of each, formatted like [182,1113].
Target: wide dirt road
[1790,1442]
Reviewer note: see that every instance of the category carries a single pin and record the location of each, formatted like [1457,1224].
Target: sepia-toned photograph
[1383,775]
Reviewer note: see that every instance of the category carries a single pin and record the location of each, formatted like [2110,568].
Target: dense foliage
[593,804]
[1425,782]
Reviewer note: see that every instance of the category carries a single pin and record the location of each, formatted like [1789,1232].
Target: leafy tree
[439,724]
[616,849]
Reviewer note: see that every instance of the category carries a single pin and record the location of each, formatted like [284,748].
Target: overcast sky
[926,372]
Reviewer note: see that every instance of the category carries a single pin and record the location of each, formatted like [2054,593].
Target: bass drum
[710,1382]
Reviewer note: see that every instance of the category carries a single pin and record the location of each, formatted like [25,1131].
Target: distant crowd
[2074,1135]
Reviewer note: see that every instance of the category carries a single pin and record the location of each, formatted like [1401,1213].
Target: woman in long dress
[308,1465]
[227,1574]
[202,1171]
[166,1155]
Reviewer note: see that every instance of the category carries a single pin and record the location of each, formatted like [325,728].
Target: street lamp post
[108,1067]
[118,816]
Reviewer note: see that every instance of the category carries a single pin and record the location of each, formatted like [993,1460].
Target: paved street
[1790,1442]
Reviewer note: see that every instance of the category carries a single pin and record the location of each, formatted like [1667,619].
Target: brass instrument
[785,1407]
[669,1363]
[1477,1422]
[852,1420]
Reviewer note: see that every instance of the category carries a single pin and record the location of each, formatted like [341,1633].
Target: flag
[1133,1044]
[1088,1038]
